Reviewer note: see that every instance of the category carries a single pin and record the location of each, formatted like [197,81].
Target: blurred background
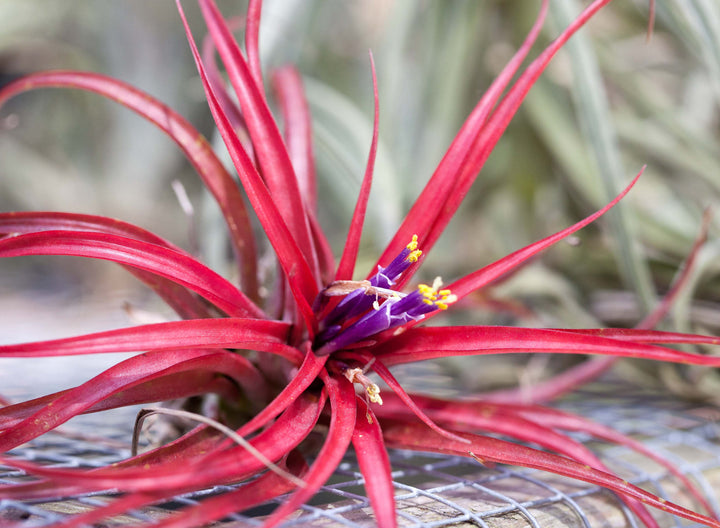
[610,102]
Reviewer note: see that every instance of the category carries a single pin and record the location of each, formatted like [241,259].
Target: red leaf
[426,208]
[382,371]
[264,488]
[375,466]
[193,144]
[412,436]
[306,374]
[260,490]
[498,122]
[273,159]
[252,41]
[184,302]
[163,388]
[342,424]
[294,264]
[256,334]
[352,244]
[493,271]
[215,468]
[298,131]
[162,261]
[472,416]
[429,343]
[131,372]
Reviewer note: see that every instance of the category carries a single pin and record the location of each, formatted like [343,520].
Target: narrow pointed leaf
[238,333]
[124,375]
[374,465]
[184,302]
[273,159]
[252,41]
[230,465]
[498,122]
[350,251]
[306,374]
[489,273]
[298,131]
[292,260]
[342,424]
[433,342]
[409,436]
[425,209]
[385,374]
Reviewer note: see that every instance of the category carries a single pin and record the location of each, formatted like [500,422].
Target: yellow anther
[373,392]
[414,256]
[412,246]
[356,375]
[441,299]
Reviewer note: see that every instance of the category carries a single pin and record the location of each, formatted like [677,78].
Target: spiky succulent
[289,364]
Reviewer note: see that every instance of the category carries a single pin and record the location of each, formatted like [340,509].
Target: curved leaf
[410,436]
[374,465]
[193,144]
[292,260]
[184,302]
[343,410]
[352,244]
[238,333]
[161,261]
[420,344]
[272,156]
[426,208]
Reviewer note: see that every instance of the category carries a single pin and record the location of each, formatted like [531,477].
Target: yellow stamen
[356,375]
[414,256]
[412,246]
[432,296]
[373,392]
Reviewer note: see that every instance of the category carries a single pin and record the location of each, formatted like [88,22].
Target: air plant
[297,361]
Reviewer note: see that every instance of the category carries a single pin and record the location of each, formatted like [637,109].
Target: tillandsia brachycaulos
[328,331]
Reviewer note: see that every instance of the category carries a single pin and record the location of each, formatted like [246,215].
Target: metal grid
[437,491]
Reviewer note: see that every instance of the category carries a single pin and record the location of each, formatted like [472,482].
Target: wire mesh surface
[437,490]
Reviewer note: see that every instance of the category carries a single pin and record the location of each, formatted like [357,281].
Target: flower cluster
[332,331]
